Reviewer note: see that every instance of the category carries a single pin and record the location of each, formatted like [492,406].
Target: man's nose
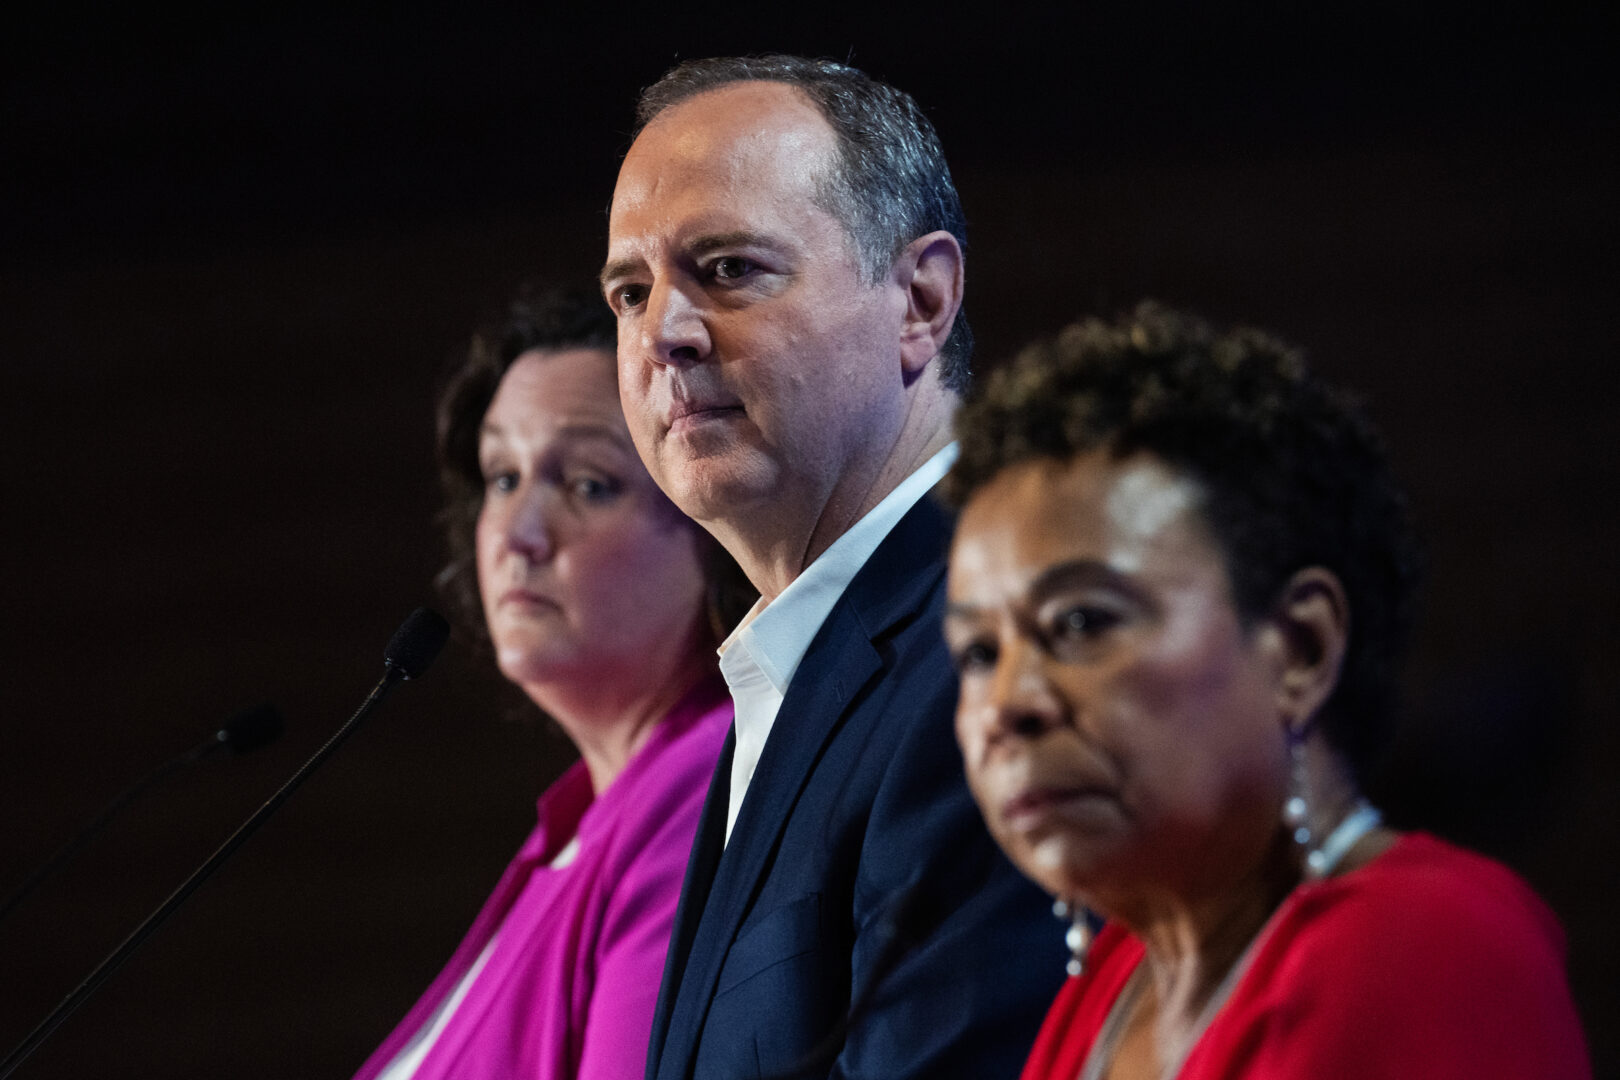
[674,327]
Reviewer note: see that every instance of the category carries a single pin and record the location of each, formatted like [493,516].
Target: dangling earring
[1296,814]
[1320,859]
[1078,936]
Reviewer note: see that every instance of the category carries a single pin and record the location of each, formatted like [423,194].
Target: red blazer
[1430,961]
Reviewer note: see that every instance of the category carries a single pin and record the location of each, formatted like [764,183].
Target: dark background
[238,251]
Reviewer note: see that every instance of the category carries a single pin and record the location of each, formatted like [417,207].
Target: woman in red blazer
[1180,584]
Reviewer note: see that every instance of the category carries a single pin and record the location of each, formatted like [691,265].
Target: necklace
[1360,821]
[1320,863]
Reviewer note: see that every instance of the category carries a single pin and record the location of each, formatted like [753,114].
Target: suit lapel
[784,767]
[841,659]
[707,847]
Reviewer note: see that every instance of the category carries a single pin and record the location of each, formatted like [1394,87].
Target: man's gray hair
[891,184]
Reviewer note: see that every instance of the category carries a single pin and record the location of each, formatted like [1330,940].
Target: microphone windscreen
[259,725]
[417,642]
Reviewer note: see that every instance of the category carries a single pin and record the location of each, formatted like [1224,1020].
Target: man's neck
[773,548]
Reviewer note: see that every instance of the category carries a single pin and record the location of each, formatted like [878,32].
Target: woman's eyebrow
[574,429]
[1069,573]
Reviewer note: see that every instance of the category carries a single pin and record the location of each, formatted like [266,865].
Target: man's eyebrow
[696,249]
[708,244]
[615,269]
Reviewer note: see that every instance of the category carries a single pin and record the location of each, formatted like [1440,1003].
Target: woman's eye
[593,488]
[974,656]
[732,268]
[503,482]
[1085,621]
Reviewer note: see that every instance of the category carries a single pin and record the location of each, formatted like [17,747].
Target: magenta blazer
[569,990]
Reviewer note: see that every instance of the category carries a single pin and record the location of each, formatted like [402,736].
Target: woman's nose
[1022,700]
[529,528]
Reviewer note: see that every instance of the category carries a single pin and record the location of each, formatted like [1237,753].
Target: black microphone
[243,733]
[410,651]
[249,730]
[416,644]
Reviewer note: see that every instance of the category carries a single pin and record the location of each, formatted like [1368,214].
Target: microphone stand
[391,677]
[90,831]
[246,731]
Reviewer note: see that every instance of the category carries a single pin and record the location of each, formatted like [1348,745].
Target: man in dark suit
[785,259]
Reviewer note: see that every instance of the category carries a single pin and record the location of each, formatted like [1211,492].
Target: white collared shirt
[759,658]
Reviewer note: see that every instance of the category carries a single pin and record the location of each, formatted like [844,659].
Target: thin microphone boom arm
[243,733]
[412,649]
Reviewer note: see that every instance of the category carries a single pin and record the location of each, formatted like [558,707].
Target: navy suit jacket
[858,864]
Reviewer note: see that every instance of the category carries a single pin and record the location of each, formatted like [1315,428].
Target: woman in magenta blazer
[603,604]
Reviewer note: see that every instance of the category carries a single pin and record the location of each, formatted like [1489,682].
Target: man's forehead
[739,107]
[739,134]
[714,162]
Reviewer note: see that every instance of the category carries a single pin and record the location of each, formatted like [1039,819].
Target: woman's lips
[1034,806]
[525,598]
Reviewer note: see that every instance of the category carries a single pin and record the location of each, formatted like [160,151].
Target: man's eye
[732,268]
[629,296]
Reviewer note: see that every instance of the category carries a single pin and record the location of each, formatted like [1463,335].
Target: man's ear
[1313,614]
[930,271]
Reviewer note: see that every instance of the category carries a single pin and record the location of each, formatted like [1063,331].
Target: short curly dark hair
[549,318]
[890,184]
[1291,471]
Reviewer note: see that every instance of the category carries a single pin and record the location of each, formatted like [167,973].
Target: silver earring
[1320,859]
[1078,936]
[1296,813]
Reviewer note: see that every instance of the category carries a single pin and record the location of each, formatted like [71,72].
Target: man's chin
[727,488]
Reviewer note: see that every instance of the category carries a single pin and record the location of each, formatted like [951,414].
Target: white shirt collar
[760,657]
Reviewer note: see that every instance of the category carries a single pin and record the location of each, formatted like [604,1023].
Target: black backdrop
[238,251]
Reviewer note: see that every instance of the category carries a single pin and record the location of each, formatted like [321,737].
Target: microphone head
[253,727]
[417,642]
